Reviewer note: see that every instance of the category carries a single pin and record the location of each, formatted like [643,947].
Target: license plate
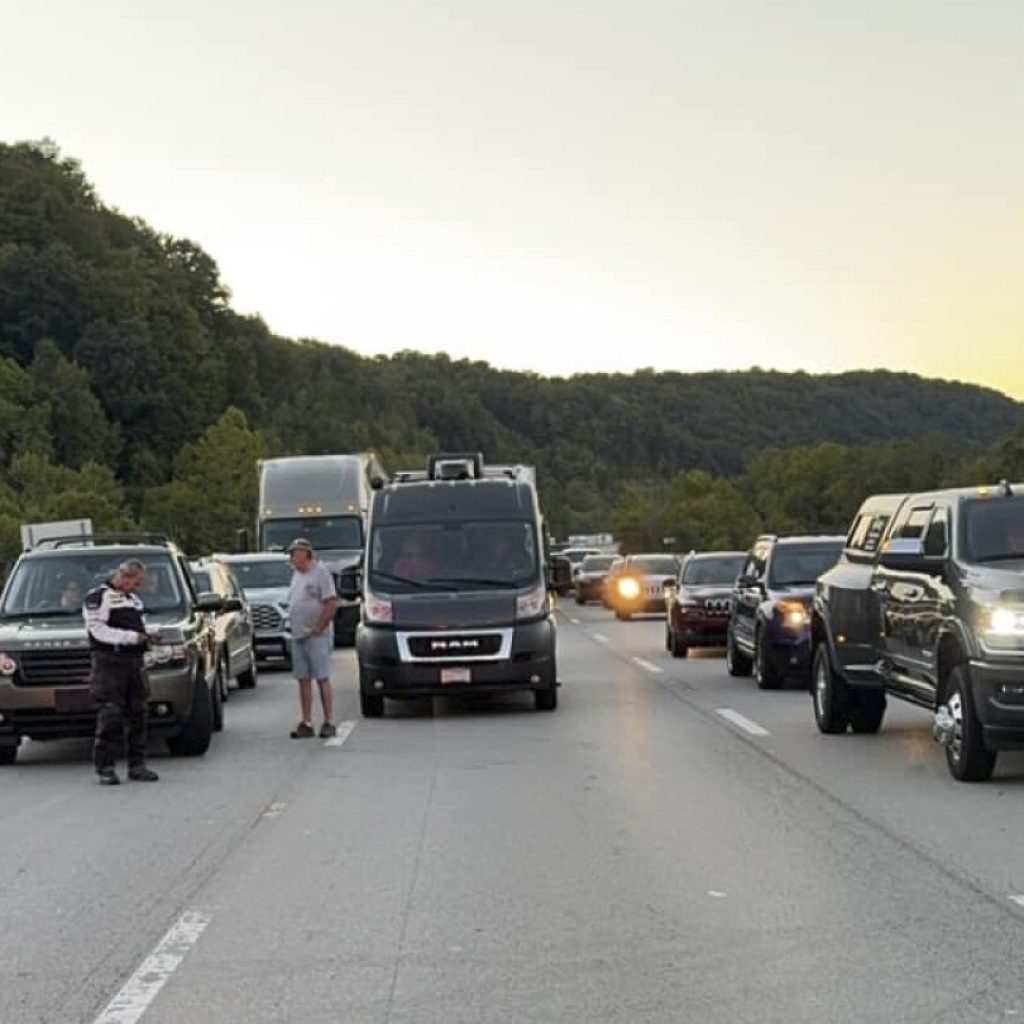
[74,701]
[456,675]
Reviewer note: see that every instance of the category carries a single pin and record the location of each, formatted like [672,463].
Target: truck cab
[455,586]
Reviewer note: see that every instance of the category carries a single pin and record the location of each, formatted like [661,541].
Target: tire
[580,600]
[248,679]
[678,648]
[220,687]
[194,738]
[736,664]
[868,711]
[767,676]
[9,753]
[547,699]
[371,705]
[623,616]
[966,756]
[831,695]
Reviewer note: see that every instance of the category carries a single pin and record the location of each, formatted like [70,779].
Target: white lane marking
[1019,900]
[718,895]
[344,731]
[742,721]
[275,810]
[153,973]
[600,638]
[575,622]
[647,666]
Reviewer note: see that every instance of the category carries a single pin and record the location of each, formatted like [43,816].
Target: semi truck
[326,499]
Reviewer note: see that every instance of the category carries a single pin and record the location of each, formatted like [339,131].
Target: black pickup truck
[927,604]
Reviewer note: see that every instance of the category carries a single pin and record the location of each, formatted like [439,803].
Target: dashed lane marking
[647,666]
[600,638]
[742,722]
[344,731]
[128,1006]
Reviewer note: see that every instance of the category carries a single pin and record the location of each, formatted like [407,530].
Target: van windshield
[994,529]
[458,555]
[331,533]
[58,585]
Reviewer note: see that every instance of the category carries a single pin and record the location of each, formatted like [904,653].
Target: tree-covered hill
[124,369]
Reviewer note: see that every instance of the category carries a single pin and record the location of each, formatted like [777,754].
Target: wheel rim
[820,687]
[956,712]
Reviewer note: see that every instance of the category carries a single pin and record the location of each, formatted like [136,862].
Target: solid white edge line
[1019,900]
[742,722]
[128,1006]
[344,731]
[600,638]
[647,665]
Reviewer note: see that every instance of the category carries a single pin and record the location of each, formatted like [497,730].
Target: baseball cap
[299,544]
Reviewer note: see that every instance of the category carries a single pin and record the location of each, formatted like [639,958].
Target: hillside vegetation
[132,392]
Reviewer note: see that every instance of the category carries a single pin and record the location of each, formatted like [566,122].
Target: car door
[241,625]
[748,594]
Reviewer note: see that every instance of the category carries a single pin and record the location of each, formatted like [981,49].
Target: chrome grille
[266,618]
[717,605]
[54,667]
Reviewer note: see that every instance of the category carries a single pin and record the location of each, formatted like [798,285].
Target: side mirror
[211,604]
[906,554]
[747,581]
[559,573]
[349,582]
[232,604]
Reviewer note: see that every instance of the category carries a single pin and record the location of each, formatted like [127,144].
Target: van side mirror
[559,573]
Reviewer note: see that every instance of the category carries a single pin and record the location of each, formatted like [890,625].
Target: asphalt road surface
[670,845]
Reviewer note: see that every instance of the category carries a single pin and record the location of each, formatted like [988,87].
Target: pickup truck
[926,604]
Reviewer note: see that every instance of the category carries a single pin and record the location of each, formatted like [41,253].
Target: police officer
[118,639]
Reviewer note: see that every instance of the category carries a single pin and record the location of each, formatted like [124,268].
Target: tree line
[131,392]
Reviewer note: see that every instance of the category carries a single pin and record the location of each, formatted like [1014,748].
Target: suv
[639,584]
[234,657]
[769,630]
[590,577]
[44,650]
[697,607]
[264,578]
[927,604]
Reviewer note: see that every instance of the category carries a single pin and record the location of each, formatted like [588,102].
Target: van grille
[454,646]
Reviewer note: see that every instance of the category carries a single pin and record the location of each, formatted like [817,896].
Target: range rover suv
[44,650]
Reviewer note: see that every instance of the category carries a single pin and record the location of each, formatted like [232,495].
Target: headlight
[1002,628]
[8,666]
[376,609]
[165,654]
[793,614]
[532,604]
[629,588]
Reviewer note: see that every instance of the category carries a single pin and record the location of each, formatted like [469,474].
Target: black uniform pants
[119,688]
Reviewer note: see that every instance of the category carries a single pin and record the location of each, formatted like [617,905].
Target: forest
[132,393]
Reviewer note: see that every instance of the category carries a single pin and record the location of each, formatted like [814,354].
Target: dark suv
[697,607]
[927,604]
[590,577]
[44,650]
[769,630]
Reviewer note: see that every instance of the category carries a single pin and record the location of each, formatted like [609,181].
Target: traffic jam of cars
[921,601]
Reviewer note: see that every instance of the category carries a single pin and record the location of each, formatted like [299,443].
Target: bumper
[270,645]
[530,666]
[1000,710]
[59,712]
[702,634]
[639,605]
[790,654]
[587,590]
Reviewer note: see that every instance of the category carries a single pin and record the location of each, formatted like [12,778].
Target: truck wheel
[547,699]
[767,676]
[194,738]
[966,755]
[736,664]
[867,713]
[623,616]
[9,752]
[371,705]
[831,694]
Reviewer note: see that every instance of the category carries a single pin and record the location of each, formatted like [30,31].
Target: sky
[567,185]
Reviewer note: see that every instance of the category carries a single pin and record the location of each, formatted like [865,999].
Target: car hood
[60,631]
[454,610]
[799,592]
[267,595]
[989,584]
[705,593]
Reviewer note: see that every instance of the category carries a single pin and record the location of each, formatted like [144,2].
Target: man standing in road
[312,601]
[118,640]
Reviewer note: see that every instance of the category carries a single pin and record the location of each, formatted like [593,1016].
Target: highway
[670,845]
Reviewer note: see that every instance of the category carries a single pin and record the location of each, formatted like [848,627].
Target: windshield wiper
[43,613]
[481,581]
[394,577]
[1011,556]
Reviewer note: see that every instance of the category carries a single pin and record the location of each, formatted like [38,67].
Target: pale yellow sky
[568,186]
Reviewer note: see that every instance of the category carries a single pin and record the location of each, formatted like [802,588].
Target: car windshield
[994,529]
[713,571]
[654,565]
[459,555]
[254,575]
[596,563]
[802,563]
[57,584]
[331,533]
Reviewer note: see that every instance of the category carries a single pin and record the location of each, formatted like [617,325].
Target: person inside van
[416,558]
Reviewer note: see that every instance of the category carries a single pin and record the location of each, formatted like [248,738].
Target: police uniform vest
[123,611]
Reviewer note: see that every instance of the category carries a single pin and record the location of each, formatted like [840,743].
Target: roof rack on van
[96,539]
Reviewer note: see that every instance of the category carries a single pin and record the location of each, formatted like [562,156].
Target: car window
[802,564]
[712,571]
[655,565]
[596,563]
[993,530]
[911,522]
[936,539]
